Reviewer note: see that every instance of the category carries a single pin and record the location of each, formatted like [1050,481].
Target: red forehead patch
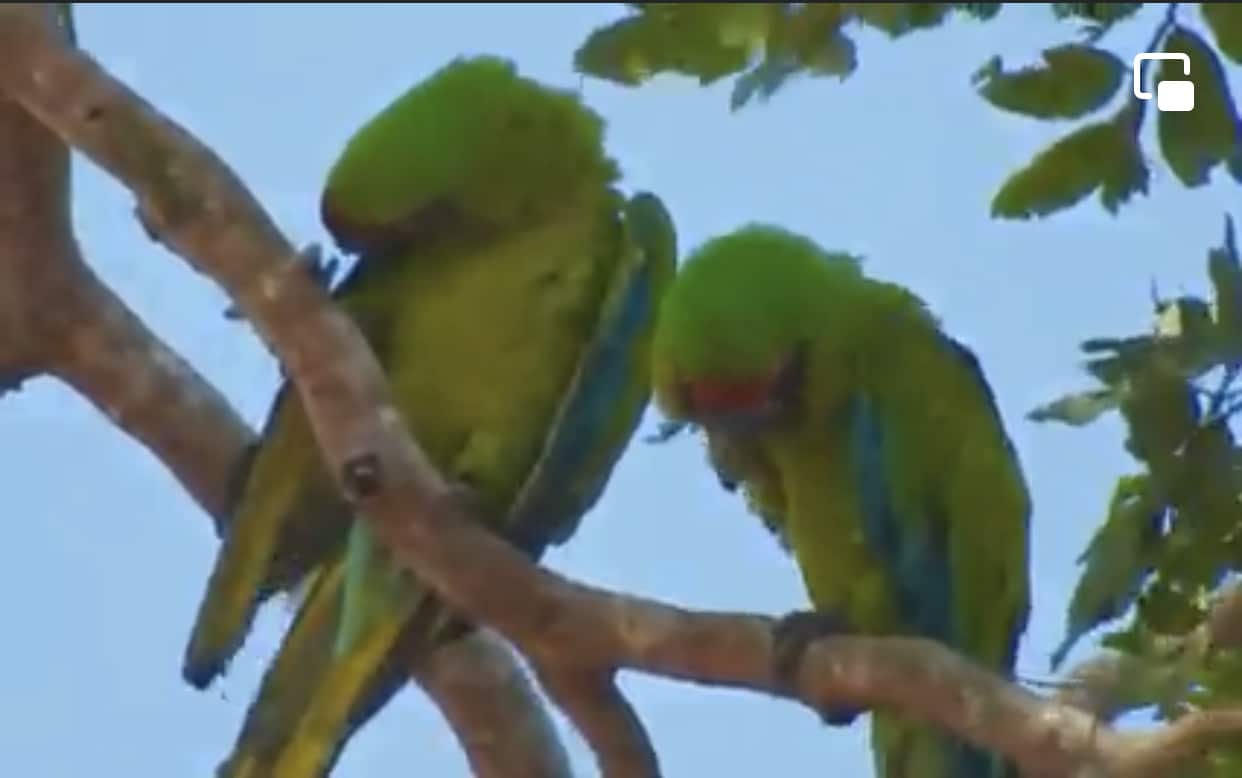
[714,395]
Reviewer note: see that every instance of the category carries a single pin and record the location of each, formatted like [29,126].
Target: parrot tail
[905,750]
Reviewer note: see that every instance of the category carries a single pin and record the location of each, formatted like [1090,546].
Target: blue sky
[108,557]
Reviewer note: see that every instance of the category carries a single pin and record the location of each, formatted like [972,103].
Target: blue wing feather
[914,548]
[971,364]
[569,477]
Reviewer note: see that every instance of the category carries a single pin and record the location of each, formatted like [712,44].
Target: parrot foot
[791,636]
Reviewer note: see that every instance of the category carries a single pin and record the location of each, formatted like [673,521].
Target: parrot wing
[941,549]
[285,521]
[610,389]
[934,540]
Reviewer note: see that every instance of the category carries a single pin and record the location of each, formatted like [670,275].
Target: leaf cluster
[1172,534]
[766,45]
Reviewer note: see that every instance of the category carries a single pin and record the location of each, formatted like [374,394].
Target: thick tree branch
[493,709]
[607,721]
[194,203]
[57,317]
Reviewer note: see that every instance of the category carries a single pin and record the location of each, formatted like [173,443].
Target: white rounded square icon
[1170,95]
[1175,96]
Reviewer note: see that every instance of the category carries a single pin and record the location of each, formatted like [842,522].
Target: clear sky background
[107,557]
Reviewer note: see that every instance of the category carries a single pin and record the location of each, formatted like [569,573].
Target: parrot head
[733,335]
[475,147]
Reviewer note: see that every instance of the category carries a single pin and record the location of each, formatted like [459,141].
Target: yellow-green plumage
[479,379]
[513,323]
[886,468]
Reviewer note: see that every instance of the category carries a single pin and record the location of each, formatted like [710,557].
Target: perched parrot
[869,442]
[509,290]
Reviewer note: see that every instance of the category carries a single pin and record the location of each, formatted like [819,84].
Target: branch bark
[195,204]
[493,709]
[58,318]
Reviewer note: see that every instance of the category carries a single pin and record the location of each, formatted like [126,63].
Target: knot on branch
[361,477]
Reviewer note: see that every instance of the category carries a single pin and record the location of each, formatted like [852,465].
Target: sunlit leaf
[1074,81]
[707,42]
[1102,156]
[1184,317]
[1194,142]
[1225,19]
[1078,410]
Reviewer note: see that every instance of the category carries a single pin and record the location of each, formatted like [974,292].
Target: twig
[198,207]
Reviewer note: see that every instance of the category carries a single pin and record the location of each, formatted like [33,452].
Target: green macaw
[509,290]
[870,443]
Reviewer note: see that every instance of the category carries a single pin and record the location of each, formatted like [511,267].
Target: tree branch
[194,203]
[493,709]
[605,718]
[57,317]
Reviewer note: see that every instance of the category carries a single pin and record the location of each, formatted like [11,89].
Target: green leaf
[1077,410]
[1161,411]
[1076,80]
[1185,317]
[898,19]
[1194,142]
[1226,272]
[1103,13]
[1225,20]
[707,41]
[1117,560]
[981,11]
[837,57]
[1170,609]
[1103,156]
[811,34]
[763,81]
[806,39]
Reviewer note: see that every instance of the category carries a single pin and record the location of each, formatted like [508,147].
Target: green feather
[475,146]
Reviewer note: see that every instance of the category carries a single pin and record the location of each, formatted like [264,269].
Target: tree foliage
[764,45]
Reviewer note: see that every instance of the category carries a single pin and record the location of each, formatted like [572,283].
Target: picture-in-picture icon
[1170,95]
